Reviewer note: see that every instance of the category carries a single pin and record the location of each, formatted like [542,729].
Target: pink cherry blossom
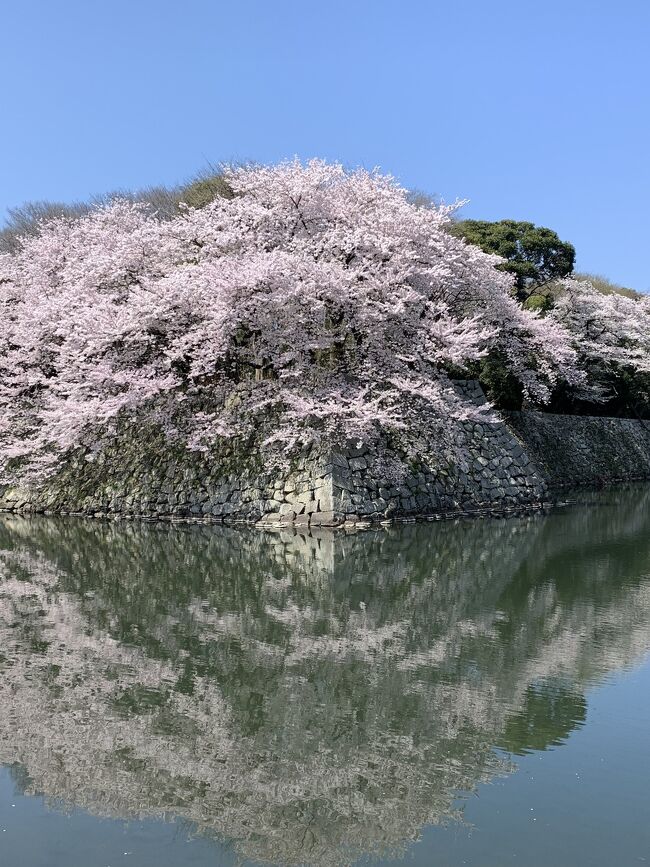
[318,299]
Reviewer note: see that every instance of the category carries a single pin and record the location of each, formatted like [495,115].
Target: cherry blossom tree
[608,328]
[316,303]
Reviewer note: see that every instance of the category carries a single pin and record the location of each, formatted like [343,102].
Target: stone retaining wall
[576,451]
[464,467]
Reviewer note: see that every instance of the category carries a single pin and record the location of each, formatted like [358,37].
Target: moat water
[474,692]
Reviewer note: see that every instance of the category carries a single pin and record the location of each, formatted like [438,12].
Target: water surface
[443,694]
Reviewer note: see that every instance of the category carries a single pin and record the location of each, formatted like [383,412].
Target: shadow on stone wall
[573,450]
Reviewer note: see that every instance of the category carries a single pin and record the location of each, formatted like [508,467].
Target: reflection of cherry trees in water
[308,699]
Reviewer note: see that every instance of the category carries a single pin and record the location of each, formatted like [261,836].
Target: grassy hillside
[197,192]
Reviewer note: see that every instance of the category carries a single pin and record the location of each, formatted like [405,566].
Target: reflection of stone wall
[462,466]
[309,699]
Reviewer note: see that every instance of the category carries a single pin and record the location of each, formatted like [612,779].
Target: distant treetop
[534,254]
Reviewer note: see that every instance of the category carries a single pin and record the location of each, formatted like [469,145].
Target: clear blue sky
[533,110]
